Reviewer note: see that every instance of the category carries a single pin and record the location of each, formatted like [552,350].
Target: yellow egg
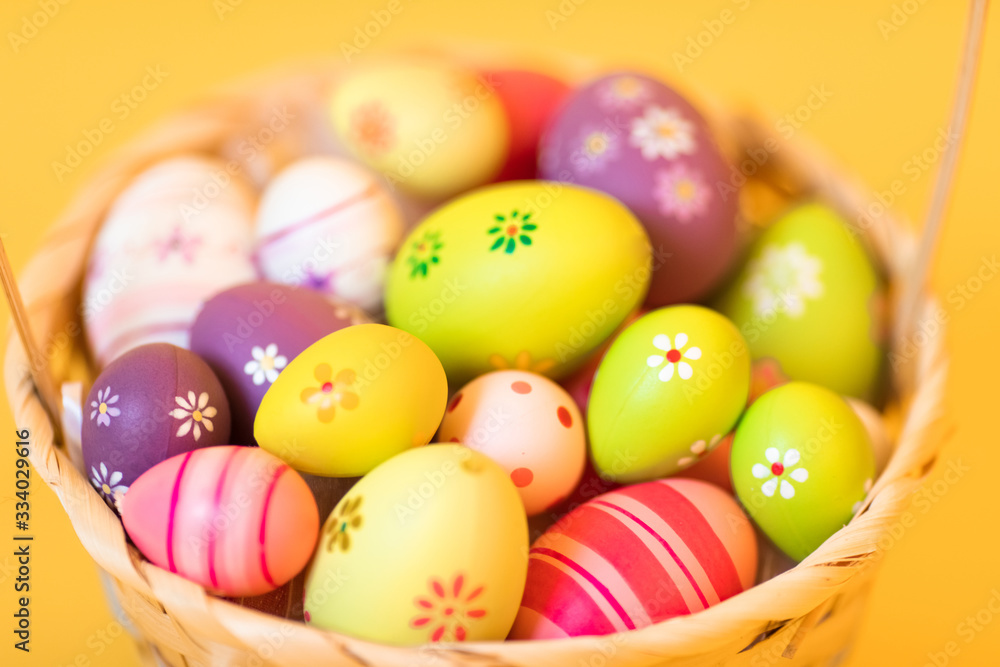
[429,128]
[352,400]
[431,546]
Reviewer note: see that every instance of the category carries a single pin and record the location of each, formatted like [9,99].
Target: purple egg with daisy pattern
[641,142]
[250,332]
[152,402]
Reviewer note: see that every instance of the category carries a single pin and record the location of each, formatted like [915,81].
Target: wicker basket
[805,615]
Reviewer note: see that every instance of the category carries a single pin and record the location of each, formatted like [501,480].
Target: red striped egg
[636,556]
[236,520]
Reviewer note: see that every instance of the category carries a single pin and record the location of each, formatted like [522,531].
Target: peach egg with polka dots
[529,425]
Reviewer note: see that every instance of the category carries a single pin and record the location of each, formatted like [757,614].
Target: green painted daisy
[423,253]
[511,229]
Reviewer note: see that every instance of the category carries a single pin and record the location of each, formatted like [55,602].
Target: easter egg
[712,464]
[328,224]
[641,142]
[801,464]
[234,519]
[634,557]
[581,381]
[250,332]
[522,275]
[456,519]
[288,601]
[179,233]
[809,298]
[526,423]
[351,400]
[670,387]
[153,402]
[428,127]
[529,99]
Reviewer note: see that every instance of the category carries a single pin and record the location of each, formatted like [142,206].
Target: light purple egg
[638,140]
[250,332]
[151,403]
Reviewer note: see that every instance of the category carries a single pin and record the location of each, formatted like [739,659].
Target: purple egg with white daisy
[640,141]
[151,403]
[250,332]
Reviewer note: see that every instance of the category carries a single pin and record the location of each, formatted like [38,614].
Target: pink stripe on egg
[263,524]
[174,498]
[699,535]
[591,579]
[368,192]
[216,502]
[678,542]
[663,543]
[605,571]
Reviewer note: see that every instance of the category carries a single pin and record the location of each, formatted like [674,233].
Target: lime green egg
[525,275]
[669,389]
[801,464]
[810,299]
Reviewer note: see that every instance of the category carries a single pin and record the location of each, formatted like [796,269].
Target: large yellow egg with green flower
[352,400]
[431,546]
[527,275]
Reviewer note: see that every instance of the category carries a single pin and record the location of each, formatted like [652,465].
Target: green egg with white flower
[801,463]
[669,389]
[810,299]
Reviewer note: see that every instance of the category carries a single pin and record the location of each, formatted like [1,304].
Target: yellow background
[890,97]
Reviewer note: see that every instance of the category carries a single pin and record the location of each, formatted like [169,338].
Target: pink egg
[637,556]
[529,100]
[526,423]
[179,233]
[329,224]
[237,520]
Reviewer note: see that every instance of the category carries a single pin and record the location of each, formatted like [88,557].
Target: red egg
[640,141]
[237,520]
[529,100]
[637,556]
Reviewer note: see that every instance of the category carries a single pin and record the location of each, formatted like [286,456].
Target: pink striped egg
[636,556]
[180,232]
[237,520]
[328,224]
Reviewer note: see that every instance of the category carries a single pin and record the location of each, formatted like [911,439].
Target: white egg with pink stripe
[180,232]
[236,520]
[327,223]
[637,556]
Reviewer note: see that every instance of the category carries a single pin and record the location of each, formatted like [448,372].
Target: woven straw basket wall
[803,616]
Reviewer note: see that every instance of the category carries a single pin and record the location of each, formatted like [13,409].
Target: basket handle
[43,381]
[908,309]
